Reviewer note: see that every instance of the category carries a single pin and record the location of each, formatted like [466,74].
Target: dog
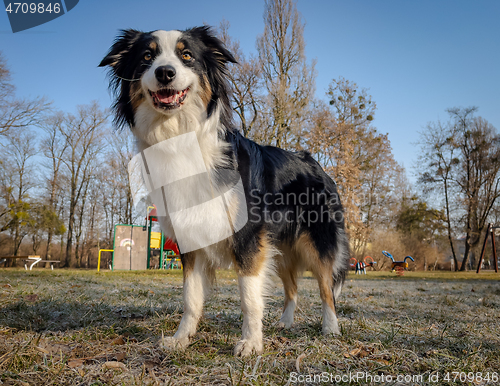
[171,86]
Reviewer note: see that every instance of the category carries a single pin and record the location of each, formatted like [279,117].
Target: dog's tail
[341,263]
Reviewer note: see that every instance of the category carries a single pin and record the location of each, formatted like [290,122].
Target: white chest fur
[181,164]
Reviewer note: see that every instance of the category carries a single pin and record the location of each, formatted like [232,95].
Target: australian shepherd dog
[284,212]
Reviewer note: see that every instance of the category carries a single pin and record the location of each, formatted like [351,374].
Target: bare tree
[53,147]
[83,134]
[288,79]
[478,178]
[121,151]
[245,78]
[357,156]
[438,161]
[463,159]
[17,182]
[17,113]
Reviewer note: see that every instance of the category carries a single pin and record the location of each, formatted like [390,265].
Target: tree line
[64,180]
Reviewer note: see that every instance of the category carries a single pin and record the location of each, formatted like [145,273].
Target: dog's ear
[121,46]
[206,35]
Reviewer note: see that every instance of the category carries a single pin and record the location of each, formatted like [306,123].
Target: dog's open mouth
[168,98]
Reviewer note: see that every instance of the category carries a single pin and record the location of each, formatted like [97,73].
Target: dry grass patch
[68,327]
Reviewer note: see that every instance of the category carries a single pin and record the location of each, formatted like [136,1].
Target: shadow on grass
[47,315]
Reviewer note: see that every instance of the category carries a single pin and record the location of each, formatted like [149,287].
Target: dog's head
[169,70]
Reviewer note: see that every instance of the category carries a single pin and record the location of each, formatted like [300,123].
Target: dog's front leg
[195,288]
[252,305]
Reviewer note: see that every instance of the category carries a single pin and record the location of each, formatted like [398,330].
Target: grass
[68,327]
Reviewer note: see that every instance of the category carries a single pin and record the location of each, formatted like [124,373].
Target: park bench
[30,259]
[34,260]
[3,259]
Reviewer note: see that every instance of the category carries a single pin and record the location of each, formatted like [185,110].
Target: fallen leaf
[53,348]
[7,285]
[149,364]
[355,352]
[118,341]
[41,349]
[130,337]
[120,356]
[72,363]
[361,352]
[81,372]
[31,298]
[114,366]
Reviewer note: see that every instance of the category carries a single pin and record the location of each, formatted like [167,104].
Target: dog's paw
[331,330]
[173,344]
[245,347]
[285,323]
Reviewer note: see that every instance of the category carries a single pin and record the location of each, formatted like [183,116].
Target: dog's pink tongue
[167,99]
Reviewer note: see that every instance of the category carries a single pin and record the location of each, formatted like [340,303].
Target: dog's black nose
[165,74]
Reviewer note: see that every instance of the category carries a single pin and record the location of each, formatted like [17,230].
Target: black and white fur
[171,83]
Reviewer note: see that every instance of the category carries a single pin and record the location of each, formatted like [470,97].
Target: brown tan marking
[288,276]
[188,260]
[322,269]
[206,93]
[258,260]
[136,95]
[180,46]
[153,46]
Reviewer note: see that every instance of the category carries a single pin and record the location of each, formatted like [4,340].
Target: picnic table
[33,259]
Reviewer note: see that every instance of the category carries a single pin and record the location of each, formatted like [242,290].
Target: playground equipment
[169,252]
[135,245]
[490,230]
[360,266]
[130,247]
[398,266]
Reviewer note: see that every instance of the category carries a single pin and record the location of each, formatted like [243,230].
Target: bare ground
[68,327]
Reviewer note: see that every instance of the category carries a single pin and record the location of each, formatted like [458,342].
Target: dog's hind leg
[325,282]
[322,269]
[197,280]
[337,289]
[289,278]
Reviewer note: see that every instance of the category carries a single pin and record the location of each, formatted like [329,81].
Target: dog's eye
[147,56]
[186,56]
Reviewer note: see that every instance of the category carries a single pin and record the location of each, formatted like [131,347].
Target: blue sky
[416,58]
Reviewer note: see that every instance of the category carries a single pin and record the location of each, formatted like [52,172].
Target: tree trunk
[69,243]
[448,223]
[463,267]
